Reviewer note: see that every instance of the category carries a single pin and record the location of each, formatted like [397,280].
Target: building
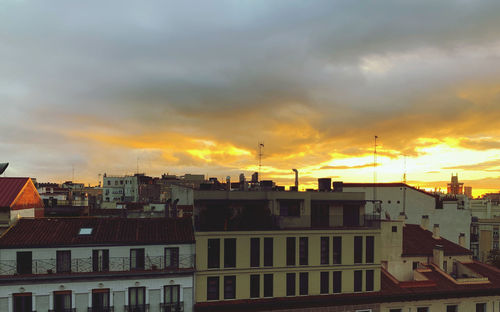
[455,187]
[67,199]
[18,198]
[468,191]
[260,250]
[121,188]
[92,264]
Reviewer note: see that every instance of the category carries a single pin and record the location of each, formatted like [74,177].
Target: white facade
[120,188]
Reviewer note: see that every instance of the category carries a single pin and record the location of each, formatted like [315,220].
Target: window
[268,251]
[324,282]
[254,286]
[23,302]
[415,264]
[325,250]
[422,309]
[445,266]
[109,182]
[395,310]
[351,215]
[24,262]
[337,281]
[290,251]
[358,280]
[172,298]
[213,288]
[452,308]
[303,283]
[337,249]
[398,203]
[290,284]
[230,252]
[100,300]
[289,208]
[63,260]
[303,251]
[394,229]
[214,253]
[62,301]
[268,285]
[370,249]
[229,287]
[369,280]
[480,307]
[137,299]
[254,252]
[100,260]
[85,231]
[358,249]
[137,259]
[172,257]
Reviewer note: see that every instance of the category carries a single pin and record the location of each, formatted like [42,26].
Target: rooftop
[10,189]
[419,242]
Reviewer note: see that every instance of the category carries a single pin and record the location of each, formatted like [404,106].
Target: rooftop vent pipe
[296,179]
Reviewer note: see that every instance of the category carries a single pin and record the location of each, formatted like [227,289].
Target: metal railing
[101,309]
[85,265]
[64,310]
[137,308]
[172,307]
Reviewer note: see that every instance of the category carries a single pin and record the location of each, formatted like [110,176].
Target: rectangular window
[63,264]
[358,249]
[452,308]
[290,251]
[289,208]
[423,309]
[350,215]
[213,288]
[415,265]
[268,251]
[395,310]
[137,299]
[303,251]
[370,249]
[290,284]
[254,252]
[213,253]
[22,302]
[254,286]
[358,280]
[325,250]
[230,252]
[172,257]
[24,261]
[100,260]
[62,301]
[303,283]
[480,307]
[324,282]
[137,259]
[172,298]
[369,280]
[337,249]
[100,299]
[337,281]
[268,285]
[229,287]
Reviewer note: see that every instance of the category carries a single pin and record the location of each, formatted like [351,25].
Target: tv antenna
[404,173]
[261,145]
[375,173]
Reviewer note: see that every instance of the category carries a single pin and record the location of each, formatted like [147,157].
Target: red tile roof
[419,242]
[9,189]
[51,232]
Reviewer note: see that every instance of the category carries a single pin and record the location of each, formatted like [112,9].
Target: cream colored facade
[279,269]
[487,237]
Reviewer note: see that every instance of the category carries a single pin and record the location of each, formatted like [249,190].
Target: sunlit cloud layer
[192,87]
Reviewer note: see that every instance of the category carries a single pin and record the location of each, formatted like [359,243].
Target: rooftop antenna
[375,173]
[404,173]
[261,145]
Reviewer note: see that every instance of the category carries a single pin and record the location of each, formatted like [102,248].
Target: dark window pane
[214,253]
[358,249]
[337,249]
[62,301]
[63,264]
[22,302]
[137,259]
[290,284]
[358,280]
[337,281]
[24,261]
[290,251]
[325,250]
[369,280]
[320,214]
[268,285]
[230,252]
[304,283]
[172,294]
[254,252]
[370,249]
[100,300]
[229,287]
[100,260]
[212,288]
[303,251]
[421,309]
[268,251]
[172,257]
[254,286]
[324,282]
[480,307]
[452,308]
[351,215]
[137,298]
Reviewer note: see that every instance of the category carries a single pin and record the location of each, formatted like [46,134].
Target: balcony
[101,309]
[85,265]
[64,310]
[172,307]
[137,308]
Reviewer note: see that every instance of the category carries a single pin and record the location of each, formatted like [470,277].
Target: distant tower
[455,188]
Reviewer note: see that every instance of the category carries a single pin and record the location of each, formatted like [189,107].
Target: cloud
[349,167]
[486,165]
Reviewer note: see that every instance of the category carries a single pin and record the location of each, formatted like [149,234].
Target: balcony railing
[137,308]
[101,309]
[64,310]
[172,307]
[85,265]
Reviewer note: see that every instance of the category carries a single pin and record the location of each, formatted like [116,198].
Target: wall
[464,304]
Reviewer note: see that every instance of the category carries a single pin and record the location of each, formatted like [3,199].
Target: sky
[93,87]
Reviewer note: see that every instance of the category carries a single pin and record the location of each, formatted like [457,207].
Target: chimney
[424,224]
[461,240]
[438,256]
[228,183]
[174,208]
[435,232]
[296,179]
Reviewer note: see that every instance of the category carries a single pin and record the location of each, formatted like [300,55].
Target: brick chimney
[424,224]
[438,256]
[435,232]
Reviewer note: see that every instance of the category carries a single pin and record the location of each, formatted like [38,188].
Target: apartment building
[261,250]
[91,264]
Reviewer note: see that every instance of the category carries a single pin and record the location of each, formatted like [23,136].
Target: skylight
[85,231]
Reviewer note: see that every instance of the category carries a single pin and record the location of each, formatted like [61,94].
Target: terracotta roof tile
[50,232]
[9,189]
[419,242]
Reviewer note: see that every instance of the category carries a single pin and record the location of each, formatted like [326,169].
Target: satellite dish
[3,166]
